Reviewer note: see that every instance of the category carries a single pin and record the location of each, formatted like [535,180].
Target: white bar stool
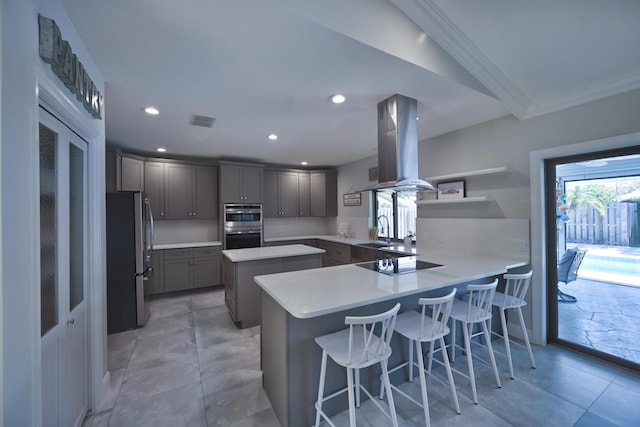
[515,290]
[476,310]
[354,348]
[421,328]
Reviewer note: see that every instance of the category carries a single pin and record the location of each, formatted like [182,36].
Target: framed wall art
[352,199]
[451,190]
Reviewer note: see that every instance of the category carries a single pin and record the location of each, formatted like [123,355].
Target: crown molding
[433,21]
[594,93]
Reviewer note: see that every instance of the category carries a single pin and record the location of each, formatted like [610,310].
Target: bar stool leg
[445,357]
[453,340]
[323,370]
[357,372]
[507,345]
[411,360]
[350,392]
[526,337]
[387,385]
[492,357]
[423,383]
[472,375]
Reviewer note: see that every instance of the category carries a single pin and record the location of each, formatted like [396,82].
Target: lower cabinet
[191,268]
[335,253]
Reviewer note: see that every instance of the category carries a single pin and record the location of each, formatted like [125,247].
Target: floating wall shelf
[449,201]
[490,171]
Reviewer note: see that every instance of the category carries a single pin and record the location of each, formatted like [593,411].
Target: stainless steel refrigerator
[129,251]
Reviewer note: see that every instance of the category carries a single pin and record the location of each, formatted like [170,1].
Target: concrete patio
[606,317]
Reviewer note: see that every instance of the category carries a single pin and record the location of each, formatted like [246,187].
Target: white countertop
[253,254]
[185,245]
[393,246]
[317,292]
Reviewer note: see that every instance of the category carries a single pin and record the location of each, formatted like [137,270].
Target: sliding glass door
[593,253]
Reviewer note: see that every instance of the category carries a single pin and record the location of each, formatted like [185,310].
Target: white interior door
[63,237]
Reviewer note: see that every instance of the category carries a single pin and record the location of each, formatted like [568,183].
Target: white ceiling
[263,66]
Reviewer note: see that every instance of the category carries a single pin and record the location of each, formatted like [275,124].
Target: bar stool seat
[513,297]
[355,348]
[427,326]
[476,310]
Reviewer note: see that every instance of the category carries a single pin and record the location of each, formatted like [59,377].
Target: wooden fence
[620,226]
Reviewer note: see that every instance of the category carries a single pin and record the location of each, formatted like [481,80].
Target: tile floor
[190,366]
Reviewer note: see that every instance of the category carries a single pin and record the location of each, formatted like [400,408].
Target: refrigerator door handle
[149,254]
[146,273]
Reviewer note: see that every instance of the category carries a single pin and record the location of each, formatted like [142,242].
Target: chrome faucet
[382,228]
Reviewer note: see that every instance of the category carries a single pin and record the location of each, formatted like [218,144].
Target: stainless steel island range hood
[398,146]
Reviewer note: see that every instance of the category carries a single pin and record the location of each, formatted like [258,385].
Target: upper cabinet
[241,183]
[190,191]
[154,187]
[124,172]
[323,193]
[304,194]
[132,173]
[281,194]
[293,193]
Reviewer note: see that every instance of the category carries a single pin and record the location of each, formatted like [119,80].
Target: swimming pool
[625,270]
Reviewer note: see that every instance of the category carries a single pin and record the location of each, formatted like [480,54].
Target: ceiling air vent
[203,121]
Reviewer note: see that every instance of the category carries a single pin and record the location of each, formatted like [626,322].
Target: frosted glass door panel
[48,230]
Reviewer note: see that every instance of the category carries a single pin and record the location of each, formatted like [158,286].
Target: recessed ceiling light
[272,136]
[161,150]
[303,163]
[338,98]
[152,111]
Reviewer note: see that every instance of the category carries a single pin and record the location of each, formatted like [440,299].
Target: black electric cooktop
[402,265]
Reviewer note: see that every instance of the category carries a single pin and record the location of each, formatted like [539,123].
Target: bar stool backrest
[515,289]
[372,348]
[480,301]
[440,309]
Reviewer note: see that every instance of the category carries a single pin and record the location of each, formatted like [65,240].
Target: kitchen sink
[376,245]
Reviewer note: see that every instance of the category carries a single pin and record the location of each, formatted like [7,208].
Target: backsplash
[186,231]
[284,227]
[499,236]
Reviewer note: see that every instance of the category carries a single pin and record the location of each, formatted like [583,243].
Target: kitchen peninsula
[298,306]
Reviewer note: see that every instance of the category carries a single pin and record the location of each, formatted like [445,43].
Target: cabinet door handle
[194,214]
[71,321]
[161,213]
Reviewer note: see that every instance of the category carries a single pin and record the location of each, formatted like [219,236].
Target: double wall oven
[242,226]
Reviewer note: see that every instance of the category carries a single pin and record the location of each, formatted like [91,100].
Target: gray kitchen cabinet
[177,269]
[154,187]
[191,268]
[241,183]
[281,194]
[206,266]
[335,253]
[190,192]
[178,197]
[155,284]
[132,173]
[112,170]
[304,194]
[323,188]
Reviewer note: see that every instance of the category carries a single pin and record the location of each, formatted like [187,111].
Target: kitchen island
[296,307]
[239,266]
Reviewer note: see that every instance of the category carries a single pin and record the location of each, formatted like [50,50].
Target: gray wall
[506,141]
